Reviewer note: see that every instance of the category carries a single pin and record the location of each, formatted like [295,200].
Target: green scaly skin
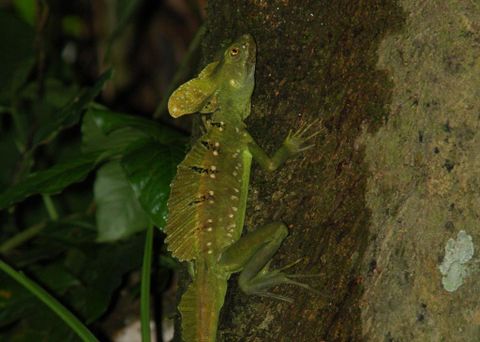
[208,195]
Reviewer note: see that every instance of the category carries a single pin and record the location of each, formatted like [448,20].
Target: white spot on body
[213,167]
[217,144]
[209,220]
[210,251]
[235,189]
[233,197]
[235,173]
[212,175]
[215,153]
[209,229]
[209,244]
[234,208]
[211,193]
[230,215]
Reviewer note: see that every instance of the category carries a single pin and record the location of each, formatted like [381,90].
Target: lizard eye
[234,51]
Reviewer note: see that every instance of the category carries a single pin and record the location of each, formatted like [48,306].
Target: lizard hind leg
[252,255]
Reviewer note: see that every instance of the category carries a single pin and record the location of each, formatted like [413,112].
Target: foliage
[80,182]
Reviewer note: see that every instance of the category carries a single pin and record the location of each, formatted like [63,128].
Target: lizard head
[226,83]
[239,62]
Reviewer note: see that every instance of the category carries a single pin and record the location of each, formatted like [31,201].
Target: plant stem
[72,321]
[32,231]
[145,285]
[22,237]
[52,212]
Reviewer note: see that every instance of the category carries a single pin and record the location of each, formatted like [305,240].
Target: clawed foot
[295,142]
[269,278]
[279,278]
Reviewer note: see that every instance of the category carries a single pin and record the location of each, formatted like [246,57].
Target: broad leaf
[119,214]
[110,121]
[16,52]
[56,238]
[150,168]
[16,301]
[100,269]
[70,114]
[41,325]
[33,114]
[50,181]
[10,156]
[94,139]
[85,281]
[26,10]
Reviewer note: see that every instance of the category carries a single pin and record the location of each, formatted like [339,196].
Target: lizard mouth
[248,43]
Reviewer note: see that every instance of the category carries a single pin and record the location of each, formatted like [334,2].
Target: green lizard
[208,195]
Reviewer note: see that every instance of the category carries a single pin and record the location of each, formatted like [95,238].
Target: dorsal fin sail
[183,223]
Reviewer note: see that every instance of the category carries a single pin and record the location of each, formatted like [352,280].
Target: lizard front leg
[293,144]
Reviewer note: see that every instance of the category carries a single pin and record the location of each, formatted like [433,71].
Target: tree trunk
[393,177]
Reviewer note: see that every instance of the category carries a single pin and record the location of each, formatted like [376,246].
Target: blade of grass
[145,285]
[73,322]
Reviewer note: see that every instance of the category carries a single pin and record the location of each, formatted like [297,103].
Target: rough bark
[371,207]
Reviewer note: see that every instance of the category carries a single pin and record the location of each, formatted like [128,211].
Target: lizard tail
[200,307]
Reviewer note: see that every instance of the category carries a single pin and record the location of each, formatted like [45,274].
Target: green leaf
[85,281]
[100,269]
[74,26]
[56,238]
[26,10]
[150,167]
[16,301]
[17,49]
[32,114]
[119,215]
[110,121]
[50,181]
[95,140]
[41,325]
[70,232]
[71,112]
[10,156]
